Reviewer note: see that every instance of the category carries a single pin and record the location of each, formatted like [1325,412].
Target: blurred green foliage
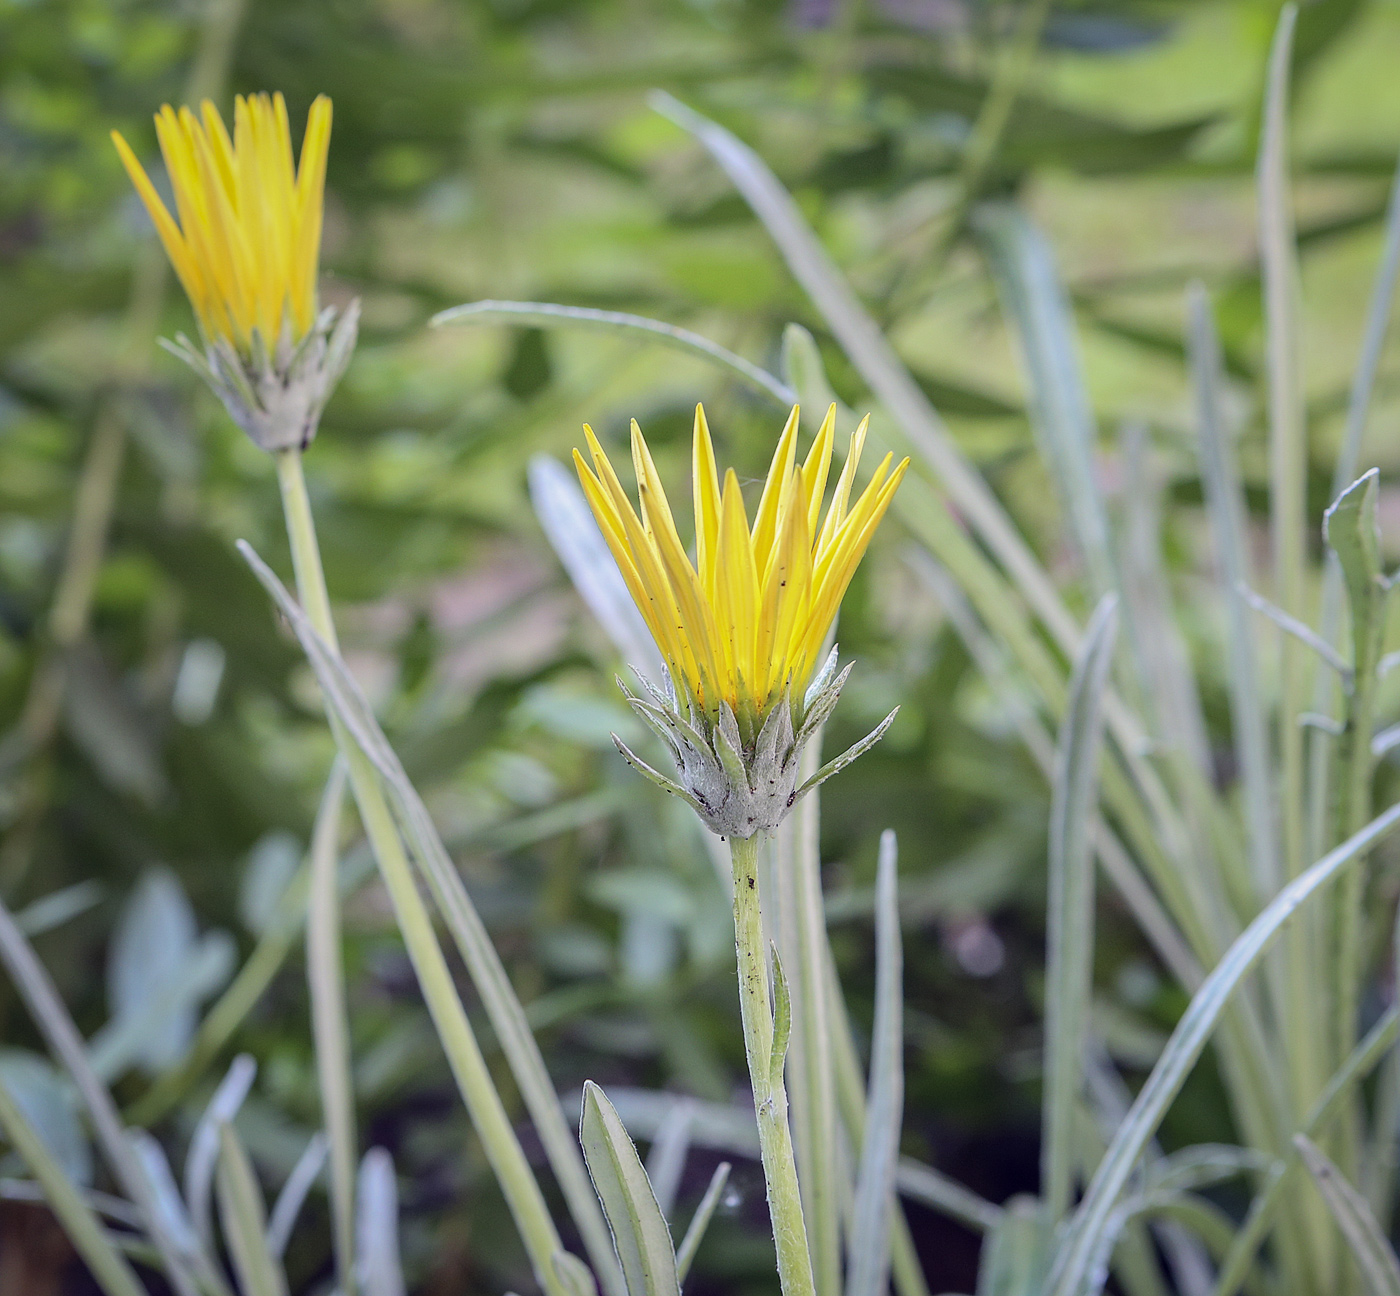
[505,150]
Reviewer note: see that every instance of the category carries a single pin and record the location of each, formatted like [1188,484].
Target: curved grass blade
[867,1273]
[700,1221]
[347,702]
[203,1155]
[1366,1238]
[84,1230]
[244,1218]
[294,1193]
[46,1007]
[1070,924]
[640,1235]
[549,314]
[1184,1047]
[860,337]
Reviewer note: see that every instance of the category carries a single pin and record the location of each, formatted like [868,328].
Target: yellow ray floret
[746,620]
[248,237]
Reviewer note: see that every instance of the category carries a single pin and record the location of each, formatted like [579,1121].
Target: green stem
[766,1076]
[484,1104]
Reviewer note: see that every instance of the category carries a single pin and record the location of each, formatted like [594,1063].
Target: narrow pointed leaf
[244,1218]
[1369,1247]
[1070,935]
[700,1221]
[640,1235]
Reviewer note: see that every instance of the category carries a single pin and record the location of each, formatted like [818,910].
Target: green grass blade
[1183,1049]
[348,704]
[867,1272]
[700,1221]
[244,1218]
[860,337]
[1070,921]
[325,977]
[1225,505]
[639,1231]
[1379,1045]
[84,1230]
[203,1154]
[1364,1235]
[551,314]
[67,1045]
[295,1191]
[1061,414]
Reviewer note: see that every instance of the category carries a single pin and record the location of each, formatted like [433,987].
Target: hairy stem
[766,1076]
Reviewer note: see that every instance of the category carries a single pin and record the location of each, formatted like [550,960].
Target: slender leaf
[640,1235]
[1364,1235]
[1193,1031]
[203,1155]
[67,1046]
[1070,923]
[700,1221]
[1016,1250]
[84,1229]
[244,1218]
[294,1193]
[347,703]
[548,314]
[867,1273]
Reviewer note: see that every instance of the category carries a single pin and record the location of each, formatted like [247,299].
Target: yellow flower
[744,621]
[249,232]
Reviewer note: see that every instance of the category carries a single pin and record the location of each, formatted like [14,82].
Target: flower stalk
[765,1044]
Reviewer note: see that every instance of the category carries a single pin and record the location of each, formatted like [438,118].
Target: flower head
[741,627]
[249,233]
[246,248]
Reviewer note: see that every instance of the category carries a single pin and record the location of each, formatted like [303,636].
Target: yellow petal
[736,594]
[765,522]
[705,488]
[836,514]
[816,466]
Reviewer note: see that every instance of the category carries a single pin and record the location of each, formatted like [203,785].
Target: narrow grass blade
[244,1219]
[1300,632]
[1379,1044]
[174,1215]
[1184,1047]
[878,364]
[325,977]
[1287,432]
[1062,416]
[51,1016]
[640,1235]
[294,1193]
[867,1273]
[347,703]
[1070,922]
[377,1235]
[1225,505]
[1015,1251]
[572,531]
[700,1221]
[59,907]
[551,314]
[203,1155]
[84,1230]
[1364,1235]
